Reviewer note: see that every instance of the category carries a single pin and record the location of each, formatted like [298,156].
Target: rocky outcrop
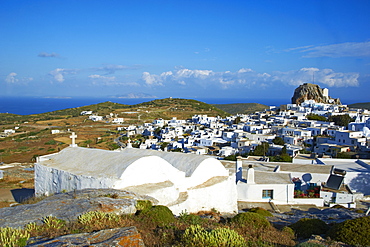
[309,91]
[68,206]
[127,236]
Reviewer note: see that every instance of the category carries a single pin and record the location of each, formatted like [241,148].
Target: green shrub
[52,222]
[160,215]
[97,220]
[191,219]
[289,231]
[260,211]
[353,232]
[305,227]
[250,219]
[196,235]
[94,216]
[10,237]
[143,205]
[51,142]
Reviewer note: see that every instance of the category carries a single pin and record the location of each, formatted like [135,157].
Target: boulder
[127,236]
[68,206]
[309,91]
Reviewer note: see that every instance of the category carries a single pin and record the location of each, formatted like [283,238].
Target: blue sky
[187,49]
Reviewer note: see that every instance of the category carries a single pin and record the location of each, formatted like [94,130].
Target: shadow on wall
[307,177]
[20,195]
[361,183]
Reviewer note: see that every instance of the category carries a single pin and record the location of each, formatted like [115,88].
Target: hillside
[33,135]
[365,105]
[180,108]
[161,108]
[241,107]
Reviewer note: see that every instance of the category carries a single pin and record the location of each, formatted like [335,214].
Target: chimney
[239,169]
[250,175]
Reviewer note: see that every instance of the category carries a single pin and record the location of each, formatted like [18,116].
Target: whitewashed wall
[282,193]
[220,196]
[49,181]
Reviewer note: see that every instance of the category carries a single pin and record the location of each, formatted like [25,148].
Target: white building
[96,118]
[263,186]
[180,181]
[117,120]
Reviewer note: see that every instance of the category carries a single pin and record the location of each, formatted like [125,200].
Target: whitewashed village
[209,162]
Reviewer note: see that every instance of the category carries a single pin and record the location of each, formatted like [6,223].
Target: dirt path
[6,195]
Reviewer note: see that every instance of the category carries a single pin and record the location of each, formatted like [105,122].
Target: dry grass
[10,182]
[5,204]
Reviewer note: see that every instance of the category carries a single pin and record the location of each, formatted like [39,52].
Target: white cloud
[58,74]
[112,68]
[109,81]
[247,78]
[324,76]
[348,49]
[45,54]
[153,80]
[11,78]
[243,70]
[102,77]
[99,78]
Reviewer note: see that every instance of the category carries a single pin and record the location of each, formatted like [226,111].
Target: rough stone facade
[309,91]
[127,236]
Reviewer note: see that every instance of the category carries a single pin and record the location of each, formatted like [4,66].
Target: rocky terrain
[68,206]
[309,91]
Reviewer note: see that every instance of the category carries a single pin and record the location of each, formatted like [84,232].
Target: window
[267,194]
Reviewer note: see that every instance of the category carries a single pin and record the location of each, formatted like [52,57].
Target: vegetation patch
[354,232]
[260,211]
[196,235]
[250,219]
[159,215]
[306,227]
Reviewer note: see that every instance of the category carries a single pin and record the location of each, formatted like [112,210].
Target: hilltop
[241,108]
[365,105]
[160,108]
[309,91]
[180,108]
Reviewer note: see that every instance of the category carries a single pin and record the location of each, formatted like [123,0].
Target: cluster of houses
[8,132]
[194,180]
[111,118]
[243,133]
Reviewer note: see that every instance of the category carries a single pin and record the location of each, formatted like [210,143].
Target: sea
[33,105]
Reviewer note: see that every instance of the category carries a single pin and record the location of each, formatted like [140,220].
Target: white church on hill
[180,181]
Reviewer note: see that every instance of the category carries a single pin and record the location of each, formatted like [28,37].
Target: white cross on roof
[73,137]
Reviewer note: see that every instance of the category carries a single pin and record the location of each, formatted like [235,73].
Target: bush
[160,215]
[51,142]
[191,219]
[92,217]
[143,205]
[289,231]
[250,219]
[10,237]
[260,211]
[196,235]
[305,227]
[353,232]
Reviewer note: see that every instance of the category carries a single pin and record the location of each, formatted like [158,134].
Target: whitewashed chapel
[180,181]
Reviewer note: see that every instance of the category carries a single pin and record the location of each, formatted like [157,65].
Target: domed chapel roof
[104,163]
